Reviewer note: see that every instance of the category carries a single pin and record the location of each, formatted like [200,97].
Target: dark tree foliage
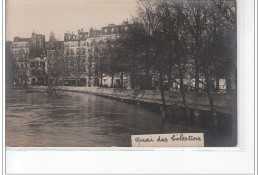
[168,41]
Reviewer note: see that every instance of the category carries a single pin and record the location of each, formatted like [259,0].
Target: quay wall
[224,103]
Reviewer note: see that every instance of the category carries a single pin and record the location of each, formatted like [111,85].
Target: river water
[76,120]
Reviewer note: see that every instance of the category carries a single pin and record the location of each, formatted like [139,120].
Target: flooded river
[76,119]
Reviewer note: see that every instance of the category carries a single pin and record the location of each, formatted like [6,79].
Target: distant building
[94,33]
[37,45]
[75,46]
[38,71]
[54,56]
[94,38]
[111,33]
[23,51]
[20,50]
[81,56]
[113,30]
[8,64]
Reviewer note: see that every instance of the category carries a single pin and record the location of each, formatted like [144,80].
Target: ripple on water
[35,119]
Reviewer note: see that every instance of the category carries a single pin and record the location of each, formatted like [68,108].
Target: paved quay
[224,103]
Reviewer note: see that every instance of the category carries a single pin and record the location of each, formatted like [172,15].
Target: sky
[60,16]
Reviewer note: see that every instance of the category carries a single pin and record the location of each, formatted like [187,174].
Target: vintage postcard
[141,73]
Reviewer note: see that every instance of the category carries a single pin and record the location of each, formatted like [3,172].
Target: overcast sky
[60,16]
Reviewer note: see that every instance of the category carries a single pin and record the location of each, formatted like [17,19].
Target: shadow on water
[76,119]
[200,122]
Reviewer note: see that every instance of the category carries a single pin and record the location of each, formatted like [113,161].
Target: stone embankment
[224,103]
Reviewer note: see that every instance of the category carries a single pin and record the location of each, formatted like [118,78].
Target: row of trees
[171,40]
[166,42]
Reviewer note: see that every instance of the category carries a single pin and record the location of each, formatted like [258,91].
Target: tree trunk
[112,83]
[217,83]
[197,75]
[148,81]
[122,79]
[213,110]
[183,95]
[101,78]
[211,102]
[89,71]
[228,83]
[164,112]
[89,81]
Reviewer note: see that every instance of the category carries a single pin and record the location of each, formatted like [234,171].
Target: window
[105,30]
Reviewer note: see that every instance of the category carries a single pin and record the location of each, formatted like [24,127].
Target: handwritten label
[168,140]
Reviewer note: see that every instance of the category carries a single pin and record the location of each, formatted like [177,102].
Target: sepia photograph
[121,73]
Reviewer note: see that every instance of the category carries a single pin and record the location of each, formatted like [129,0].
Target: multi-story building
[37,45]
[25,53]
[80,60]
[20,50]
[8,64]
[38,71]
[37,60]
[111,33]
[81,56]
[55,64]
[92,41]
[75,57]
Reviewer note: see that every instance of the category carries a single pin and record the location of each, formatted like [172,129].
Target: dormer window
[105,30]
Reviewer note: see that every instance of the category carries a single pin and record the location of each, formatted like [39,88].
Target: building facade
[20,51]
[8,65]
[27,54]
[38,71]
[75,46]
[55,64]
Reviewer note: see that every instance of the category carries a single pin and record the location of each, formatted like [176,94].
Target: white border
[238,160]
[2,131]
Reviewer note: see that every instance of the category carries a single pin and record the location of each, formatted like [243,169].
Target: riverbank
[33,118]
[224,103]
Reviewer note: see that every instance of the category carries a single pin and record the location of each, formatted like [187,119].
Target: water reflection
[35,119]
[76,119]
